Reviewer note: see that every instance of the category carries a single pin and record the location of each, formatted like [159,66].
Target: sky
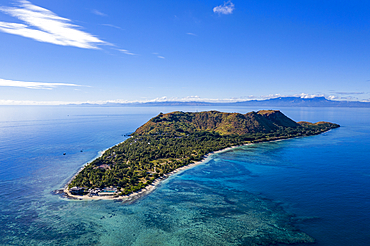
[95,51]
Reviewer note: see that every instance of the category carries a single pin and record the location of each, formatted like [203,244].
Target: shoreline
[100,154]
[151,187]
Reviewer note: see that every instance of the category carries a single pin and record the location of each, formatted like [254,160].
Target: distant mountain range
[275,102]
[304,102]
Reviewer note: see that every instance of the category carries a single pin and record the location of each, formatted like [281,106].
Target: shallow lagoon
[320,184]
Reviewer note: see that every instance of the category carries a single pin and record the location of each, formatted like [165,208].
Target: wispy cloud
[110,25]
[192,34]
[45,26]
[193,99]
[127,52]
[29,102]
[226,8]
[97,12]
[157,54]
[304,95]
[349,93]
[272,96]
[32,85]
[346,98]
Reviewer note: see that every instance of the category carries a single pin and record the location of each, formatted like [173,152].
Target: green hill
[278,118]
[178,122]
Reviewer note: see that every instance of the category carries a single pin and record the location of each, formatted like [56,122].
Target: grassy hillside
[213,121]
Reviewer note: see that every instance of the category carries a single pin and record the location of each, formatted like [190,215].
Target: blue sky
[56,52]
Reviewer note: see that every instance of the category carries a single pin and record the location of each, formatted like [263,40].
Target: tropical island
[173,141]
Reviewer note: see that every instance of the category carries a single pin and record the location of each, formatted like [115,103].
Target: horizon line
[185,100]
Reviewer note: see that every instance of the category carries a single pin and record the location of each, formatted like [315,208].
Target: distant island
[173,141]
[273,102]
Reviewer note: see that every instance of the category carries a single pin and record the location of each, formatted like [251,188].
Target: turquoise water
[318,184]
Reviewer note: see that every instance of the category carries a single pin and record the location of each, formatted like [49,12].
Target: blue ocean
[319,185]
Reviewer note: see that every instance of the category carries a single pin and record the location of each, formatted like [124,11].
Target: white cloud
[226,8]
[17,102]
[346,98]
[304,95]
[161,57]
[97,12]
[127,52]
[194,99]
[272,96]
[192,34]
[45,26]
[32,85]
[110,25]
[349,93]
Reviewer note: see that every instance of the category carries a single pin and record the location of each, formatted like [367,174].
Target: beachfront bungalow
[77,190]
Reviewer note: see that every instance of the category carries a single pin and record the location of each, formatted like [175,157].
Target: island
[174,141]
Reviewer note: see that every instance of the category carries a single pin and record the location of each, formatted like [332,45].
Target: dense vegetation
[170,141]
